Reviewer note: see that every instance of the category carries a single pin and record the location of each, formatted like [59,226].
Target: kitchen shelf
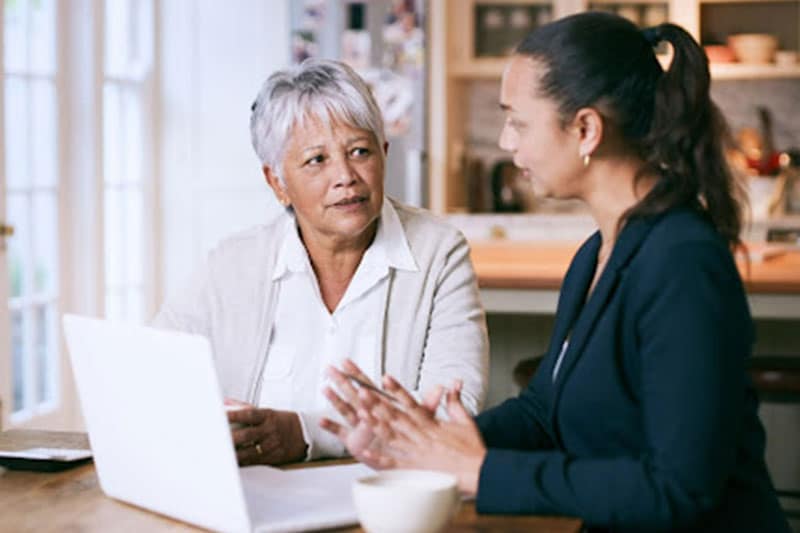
[629,2]
[747,1]
[453,145]
[492,69]
[739,71]
[479,69]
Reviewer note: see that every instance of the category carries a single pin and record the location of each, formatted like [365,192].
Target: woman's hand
[357,435]
[266,436]
[414,439]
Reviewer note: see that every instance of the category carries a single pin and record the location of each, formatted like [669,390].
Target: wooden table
[525,277]
[72,500]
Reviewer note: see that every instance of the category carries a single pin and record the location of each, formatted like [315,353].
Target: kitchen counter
[524,277]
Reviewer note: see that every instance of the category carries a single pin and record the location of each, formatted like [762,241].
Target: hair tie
[652,35]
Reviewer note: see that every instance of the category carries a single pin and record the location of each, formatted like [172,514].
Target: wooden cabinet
[458,60]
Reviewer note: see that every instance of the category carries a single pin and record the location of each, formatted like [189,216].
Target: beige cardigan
[434,327]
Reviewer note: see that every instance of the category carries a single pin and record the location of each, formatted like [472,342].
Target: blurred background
[125,154]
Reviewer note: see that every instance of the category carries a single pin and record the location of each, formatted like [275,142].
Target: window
[32,177]
[47,184]
[127,73]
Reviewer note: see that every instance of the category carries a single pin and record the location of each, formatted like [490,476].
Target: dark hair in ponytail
[600,60]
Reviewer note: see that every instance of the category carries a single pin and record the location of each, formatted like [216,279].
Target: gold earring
[586,159]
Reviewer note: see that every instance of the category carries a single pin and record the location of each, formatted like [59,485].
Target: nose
[507,140]
[346,175]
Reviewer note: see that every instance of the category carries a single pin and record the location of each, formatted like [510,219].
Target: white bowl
[753,47]
[405,501]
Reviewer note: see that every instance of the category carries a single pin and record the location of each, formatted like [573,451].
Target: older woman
[344,273]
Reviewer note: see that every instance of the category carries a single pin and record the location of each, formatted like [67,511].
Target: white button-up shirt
[306,337]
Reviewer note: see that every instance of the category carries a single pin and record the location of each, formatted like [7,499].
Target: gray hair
[320,88]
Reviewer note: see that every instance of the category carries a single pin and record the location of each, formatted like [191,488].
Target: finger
[383,431]
[232,402]
[351,368]
[419,412]
[334,427]
[248,455]
[254,433]
[433,398]
[378,460]
[407,427]
[273,450]
[405,398]
[342,407]
[250,416]
[343,383]
[457,412]
[400,424]
[265,451]
[374,405]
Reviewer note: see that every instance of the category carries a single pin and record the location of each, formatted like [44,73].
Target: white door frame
[5,330]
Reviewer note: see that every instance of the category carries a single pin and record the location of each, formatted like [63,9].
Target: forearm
[518,423]
[622,492]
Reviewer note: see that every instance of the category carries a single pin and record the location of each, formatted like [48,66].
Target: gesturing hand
[266,436]
[357,435]
[414,439]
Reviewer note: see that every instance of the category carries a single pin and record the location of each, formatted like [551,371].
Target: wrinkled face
[333,178]
[546,152]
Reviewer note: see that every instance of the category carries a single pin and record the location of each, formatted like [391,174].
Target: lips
[351,200]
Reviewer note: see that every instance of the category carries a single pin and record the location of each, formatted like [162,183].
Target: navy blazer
[651,422]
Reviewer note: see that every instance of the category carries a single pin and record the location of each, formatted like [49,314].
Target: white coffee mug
[406,501]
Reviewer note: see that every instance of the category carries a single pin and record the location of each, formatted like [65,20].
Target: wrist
[295,446]
[470,480]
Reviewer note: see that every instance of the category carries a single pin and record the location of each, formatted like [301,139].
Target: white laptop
[161,440]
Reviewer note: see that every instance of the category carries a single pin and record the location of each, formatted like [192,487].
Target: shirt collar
[389,249]
[292,256]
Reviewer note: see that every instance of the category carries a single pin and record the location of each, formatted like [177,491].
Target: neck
[335,258]
[611,192]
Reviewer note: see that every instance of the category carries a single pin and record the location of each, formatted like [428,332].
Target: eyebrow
[322,146]
[312,148]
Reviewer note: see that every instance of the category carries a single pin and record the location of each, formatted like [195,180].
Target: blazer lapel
[628,243]
[573,293]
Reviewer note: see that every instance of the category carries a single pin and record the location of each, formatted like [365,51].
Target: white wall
[215,55]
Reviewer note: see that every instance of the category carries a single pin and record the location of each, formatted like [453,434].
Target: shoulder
[251,244]
[424,229]
[681,226]
[684,244]
[681,234]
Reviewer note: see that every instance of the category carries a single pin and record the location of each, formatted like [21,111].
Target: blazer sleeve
[457,342]
[694,334]
[520,423]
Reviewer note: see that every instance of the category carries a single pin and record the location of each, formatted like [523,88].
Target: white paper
[306,498]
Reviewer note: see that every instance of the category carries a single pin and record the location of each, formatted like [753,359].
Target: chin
[356,225]
[541,191]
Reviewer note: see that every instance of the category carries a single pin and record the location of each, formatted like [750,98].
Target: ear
[277,187]
[588,124]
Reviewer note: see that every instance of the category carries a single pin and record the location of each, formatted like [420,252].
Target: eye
[360,151]
[316,160]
